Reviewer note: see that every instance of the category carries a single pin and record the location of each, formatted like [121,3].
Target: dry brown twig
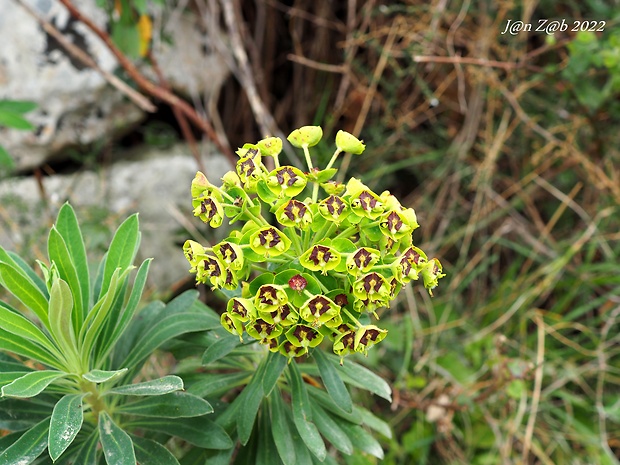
[137,98]
[155,90]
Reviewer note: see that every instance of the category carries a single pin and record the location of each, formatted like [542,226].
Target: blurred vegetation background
[507,146]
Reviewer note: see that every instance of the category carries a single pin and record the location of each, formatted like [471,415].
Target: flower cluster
[323,266]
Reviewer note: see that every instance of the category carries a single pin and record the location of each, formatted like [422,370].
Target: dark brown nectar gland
[212,267]
[267,295]
[367,201]
[319,305]
[370,335]
[286,176]
[303,332]
[247,166]
[239,309]
[208,207]
[362,258]
[393,222]
[295,209]
[263,328]
[341,299]
[320,254]
[228,252]
[335,205]
[411,256]
[372,282]
[269,238]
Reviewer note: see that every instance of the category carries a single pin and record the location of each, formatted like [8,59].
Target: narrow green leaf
[332,380]
[302,414]
[15,121]
[101,376]
[199,431]
[31,384]
[95,320]
[6,161]
[213,384]
[116,443]
[274,367]
[324,399]
[266,453]
[221,348]
[65,424]
[17,324]
[59,255]
[17,106]
[129,310]
[22,414]
[374,422]
[12,343]
[249,409]
[87,453]
[28,447]
[359,376]
[152,453]
[69,228]
[7,377]
[331,430]
[21,264]
[60,314]
[156,387]
[122,250]
[166,328]
[173,405]
[25,290]
[281,429]
[362,439]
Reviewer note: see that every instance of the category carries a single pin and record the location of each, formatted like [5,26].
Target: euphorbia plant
[335,254]
[70,351]
[308,264]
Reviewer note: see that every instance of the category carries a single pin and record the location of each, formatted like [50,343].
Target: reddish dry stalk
[153,89]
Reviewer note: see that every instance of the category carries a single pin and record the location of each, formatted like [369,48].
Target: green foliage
[594,67]
[74,344]
[12,117]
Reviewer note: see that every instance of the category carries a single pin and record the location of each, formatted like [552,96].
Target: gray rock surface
[156,186]
[76,106]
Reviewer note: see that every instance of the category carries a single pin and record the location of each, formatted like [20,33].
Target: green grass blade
[65,424]
[122,250]
[69,228]
[116,443]
[28,447]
